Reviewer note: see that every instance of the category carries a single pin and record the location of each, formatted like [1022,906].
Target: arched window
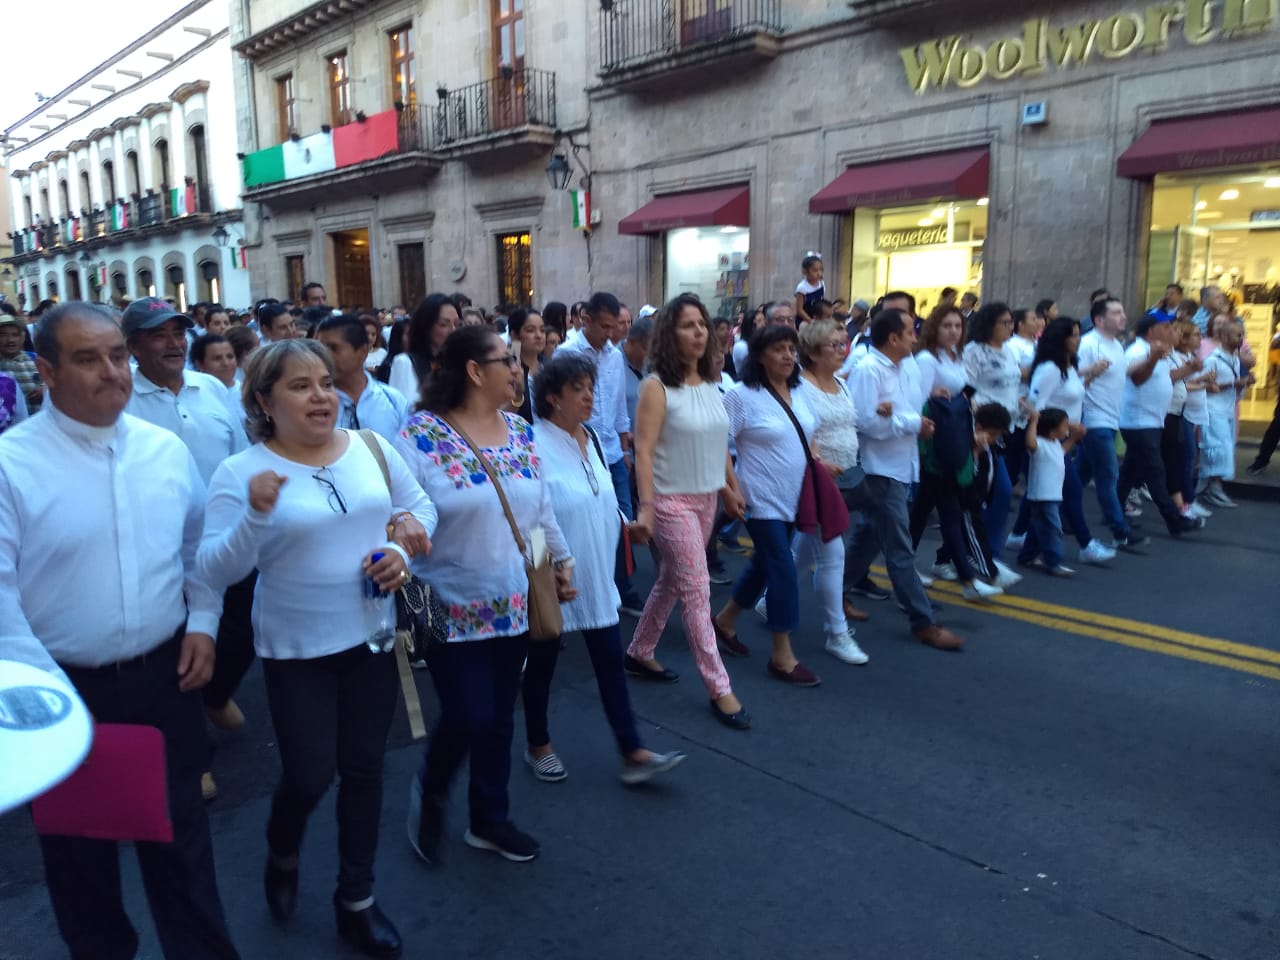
[162,165]
[64,197]
[200,163]
[108,183]
[134,172]
[86,194]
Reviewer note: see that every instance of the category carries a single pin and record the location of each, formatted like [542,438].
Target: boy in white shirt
[1049,436]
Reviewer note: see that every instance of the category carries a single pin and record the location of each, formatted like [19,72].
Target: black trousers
[1270,439]
[83,876]
[332,715]
[235,642]
[476,682]
[1143,464]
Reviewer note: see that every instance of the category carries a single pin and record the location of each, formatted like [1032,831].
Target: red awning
[938,176]
[1209,140]
[729,207]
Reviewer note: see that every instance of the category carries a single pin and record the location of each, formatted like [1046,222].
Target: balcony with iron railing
[513,112]
[663,44]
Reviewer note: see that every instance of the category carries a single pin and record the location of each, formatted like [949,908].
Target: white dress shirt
[98,534]
[888,445]
[771,460]
[198,414]
[379,408]
[609,413]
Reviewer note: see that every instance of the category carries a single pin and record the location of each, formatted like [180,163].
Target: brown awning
[1209,140]
[728,207]
[937,176]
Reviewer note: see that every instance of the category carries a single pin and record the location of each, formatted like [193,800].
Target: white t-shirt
[1103,394]
[1048,470]
[940,370]
[771,462]
[1143,407]
[1196,409]
[1049,388]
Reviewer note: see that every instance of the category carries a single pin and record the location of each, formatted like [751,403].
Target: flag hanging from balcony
[119,216]
[102,275]
[581,210]
[307,156]
[189,197]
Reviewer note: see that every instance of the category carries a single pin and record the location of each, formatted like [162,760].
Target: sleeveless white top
[690,453]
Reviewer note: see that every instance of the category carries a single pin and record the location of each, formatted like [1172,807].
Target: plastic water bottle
[381,606]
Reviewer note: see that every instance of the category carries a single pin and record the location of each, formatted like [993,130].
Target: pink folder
[119,793]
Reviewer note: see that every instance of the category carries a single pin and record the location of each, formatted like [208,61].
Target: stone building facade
[119,183]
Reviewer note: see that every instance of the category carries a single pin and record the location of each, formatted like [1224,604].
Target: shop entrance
[919,249]
[1223,229]
[711,262]
[352,269]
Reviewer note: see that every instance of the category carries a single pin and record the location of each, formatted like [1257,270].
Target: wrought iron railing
[514,98]
[635,31]
[414,127]
[152,208]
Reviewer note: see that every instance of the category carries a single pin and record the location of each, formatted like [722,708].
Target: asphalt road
[1096,776]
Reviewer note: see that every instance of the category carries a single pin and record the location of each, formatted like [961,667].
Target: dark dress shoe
[281,887]
[737,721]
[636,668]
[368,930]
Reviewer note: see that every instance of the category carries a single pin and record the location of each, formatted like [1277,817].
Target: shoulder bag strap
[808,454]
[375,448]
[595,441]
[493,478]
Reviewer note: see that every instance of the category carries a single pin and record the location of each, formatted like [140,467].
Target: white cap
[648,310]
[45,732]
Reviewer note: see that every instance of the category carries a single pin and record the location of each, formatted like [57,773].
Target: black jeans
[235,642]
[1143,464]
[943,494]
[604,646]
[1270,439]
[332,715]
[83,876]
[476,682]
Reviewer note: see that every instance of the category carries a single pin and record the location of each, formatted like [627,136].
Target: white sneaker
[1096,552]
[1060,570]
[1015,541]
[1144,493]
[925,579]
[761,610]
[945,571]
[1006,576]
[979,591]
[843,647]
[1195,510]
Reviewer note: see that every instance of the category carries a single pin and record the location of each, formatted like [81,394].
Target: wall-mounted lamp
[559,173]
[360,116]
[325,128]
[294,137]
[220,236]
[240,156]
[85,258]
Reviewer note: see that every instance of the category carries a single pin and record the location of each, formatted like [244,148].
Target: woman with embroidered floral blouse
[479,575]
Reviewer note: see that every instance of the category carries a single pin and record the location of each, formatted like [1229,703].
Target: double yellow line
[1241,657]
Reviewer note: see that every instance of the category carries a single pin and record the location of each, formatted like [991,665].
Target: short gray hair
[264,370]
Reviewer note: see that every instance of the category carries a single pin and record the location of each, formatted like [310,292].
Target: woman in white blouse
[1057,381]
[479,574]
[771,466]
[308,506]
[682,462]
[993,373]
[586,508]
[431,324]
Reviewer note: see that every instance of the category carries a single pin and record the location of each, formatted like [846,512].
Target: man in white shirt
[363,402]
[609,417]
[888,397]
[100,517]
[1147,393]
[1101,357]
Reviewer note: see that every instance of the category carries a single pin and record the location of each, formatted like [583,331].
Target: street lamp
[559,173]
[85,258]
[220,236]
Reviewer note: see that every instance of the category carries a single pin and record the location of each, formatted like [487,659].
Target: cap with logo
[147,313]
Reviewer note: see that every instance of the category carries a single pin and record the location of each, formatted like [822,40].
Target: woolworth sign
[957,60]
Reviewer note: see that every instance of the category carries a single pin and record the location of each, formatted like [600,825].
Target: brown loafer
[853,613]
[940,638]
[798,676]
[730,645]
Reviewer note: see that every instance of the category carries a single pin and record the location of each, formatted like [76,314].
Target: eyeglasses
[510,359]
[839,346]
[325,476]
[591,478]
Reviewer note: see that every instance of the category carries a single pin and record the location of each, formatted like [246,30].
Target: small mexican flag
[581,210]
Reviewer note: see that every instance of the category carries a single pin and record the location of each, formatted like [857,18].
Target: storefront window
[712,262]
[919,249]
[1223,229]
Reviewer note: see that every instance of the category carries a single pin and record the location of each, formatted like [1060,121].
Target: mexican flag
[581,210]
[119,219]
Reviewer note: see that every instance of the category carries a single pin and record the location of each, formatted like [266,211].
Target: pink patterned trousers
[681,526]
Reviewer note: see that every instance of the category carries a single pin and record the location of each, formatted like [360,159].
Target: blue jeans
[773,566]
[1187,461]
[996,515]
[1072,504]
[622,487]
[1044,536]
[1099,454]
[885,525]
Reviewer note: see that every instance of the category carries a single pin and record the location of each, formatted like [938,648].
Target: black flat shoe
[635,668]
[281,888]
[368,930]
[736,721]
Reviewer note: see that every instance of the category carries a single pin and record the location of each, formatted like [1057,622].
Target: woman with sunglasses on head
[308,505]
[586,509]
[478,572]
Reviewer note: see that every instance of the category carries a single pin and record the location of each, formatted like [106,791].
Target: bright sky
[89,31]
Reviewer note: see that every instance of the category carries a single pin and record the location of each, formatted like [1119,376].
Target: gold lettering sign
[957,61]
[915,237]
